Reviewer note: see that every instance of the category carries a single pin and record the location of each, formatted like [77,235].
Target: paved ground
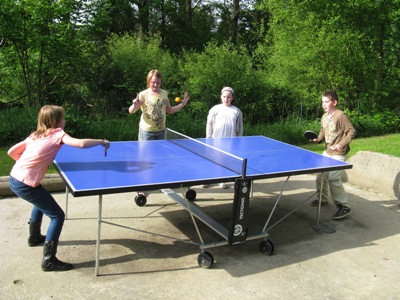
[360,260]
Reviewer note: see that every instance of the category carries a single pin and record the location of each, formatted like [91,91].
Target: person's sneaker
[342,212]
[223,186]
[316,203]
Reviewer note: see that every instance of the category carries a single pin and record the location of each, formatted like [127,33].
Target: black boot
[50,261]
[35,237]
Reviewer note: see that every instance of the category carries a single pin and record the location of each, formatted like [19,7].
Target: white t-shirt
[224,121]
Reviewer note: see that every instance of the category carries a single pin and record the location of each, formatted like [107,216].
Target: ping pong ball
[177,99]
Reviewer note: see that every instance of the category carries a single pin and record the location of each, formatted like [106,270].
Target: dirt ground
[360,260]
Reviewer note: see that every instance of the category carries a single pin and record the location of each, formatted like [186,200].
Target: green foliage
[218,66]
[121,74]
[11,87]
[375,123]
[289,130]
[16,124]
[41,40]
[347,46]
[134,58]
[113,129]
[184,122]
[92,57]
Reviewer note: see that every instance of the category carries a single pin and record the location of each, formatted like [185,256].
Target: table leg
[322,227]
[66,203]
[96,269]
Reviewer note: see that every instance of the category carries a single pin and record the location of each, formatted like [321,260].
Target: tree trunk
[144,15]
[235,21]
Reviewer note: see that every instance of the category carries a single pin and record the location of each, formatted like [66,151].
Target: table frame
[196,213]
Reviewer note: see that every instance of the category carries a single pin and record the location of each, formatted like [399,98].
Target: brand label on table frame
[240,210]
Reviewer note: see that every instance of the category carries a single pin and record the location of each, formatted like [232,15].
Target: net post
[244,168]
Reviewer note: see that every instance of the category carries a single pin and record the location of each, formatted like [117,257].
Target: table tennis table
[182,162]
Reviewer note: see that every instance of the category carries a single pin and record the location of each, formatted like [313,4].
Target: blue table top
[150,165]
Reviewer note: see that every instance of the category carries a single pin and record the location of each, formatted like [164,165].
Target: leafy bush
[378,123]
[16,124]
[122,73]
[289,130]
[218,66]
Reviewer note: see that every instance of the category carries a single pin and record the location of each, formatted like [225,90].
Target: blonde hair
[153,73]
[49,117]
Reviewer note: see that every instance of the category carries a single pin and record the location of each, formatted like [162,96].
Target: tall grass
[289,130]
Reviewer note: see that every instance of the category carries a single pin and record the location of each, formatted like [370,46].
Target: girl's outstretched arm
[84,143]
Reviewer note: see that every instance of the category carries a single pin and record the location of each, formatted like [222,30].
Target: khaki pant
[332,184]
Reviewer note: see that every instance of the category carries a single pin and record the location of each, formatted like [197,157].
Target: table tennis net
[220,157]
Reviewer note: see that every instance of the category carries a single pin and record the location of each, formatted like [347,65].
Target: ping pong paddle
[310,135]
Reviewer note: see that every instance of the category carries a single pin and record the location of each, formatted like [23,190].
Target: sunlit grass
[386,144]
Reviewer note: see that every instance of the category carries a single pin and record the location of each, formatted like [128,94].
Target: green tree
[122,71]
[40,40]
[106,17]
[348,46]
[226,65]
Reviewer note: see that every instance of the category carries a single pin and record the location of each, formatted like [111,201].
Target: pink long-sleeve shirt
[39,153]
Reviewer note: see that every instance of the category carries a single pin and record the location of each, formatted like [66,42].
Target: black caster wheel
[140,200]
[266,247]
[191,195]
[205,260]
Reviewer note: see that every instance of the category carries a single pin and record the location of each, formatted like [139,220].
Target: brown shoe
[316,203]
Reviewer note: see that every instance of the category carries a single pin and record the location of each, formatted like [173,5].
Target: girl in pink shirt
[33,157]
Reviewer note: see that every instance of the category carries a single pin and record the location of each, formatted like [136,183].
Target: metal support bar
[276,204]
[66,203]
[322,227]
[195,211]
[96,269]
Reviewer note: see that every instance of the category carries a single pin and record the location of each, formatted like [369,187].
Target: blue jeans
[43,203]
[145,135]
